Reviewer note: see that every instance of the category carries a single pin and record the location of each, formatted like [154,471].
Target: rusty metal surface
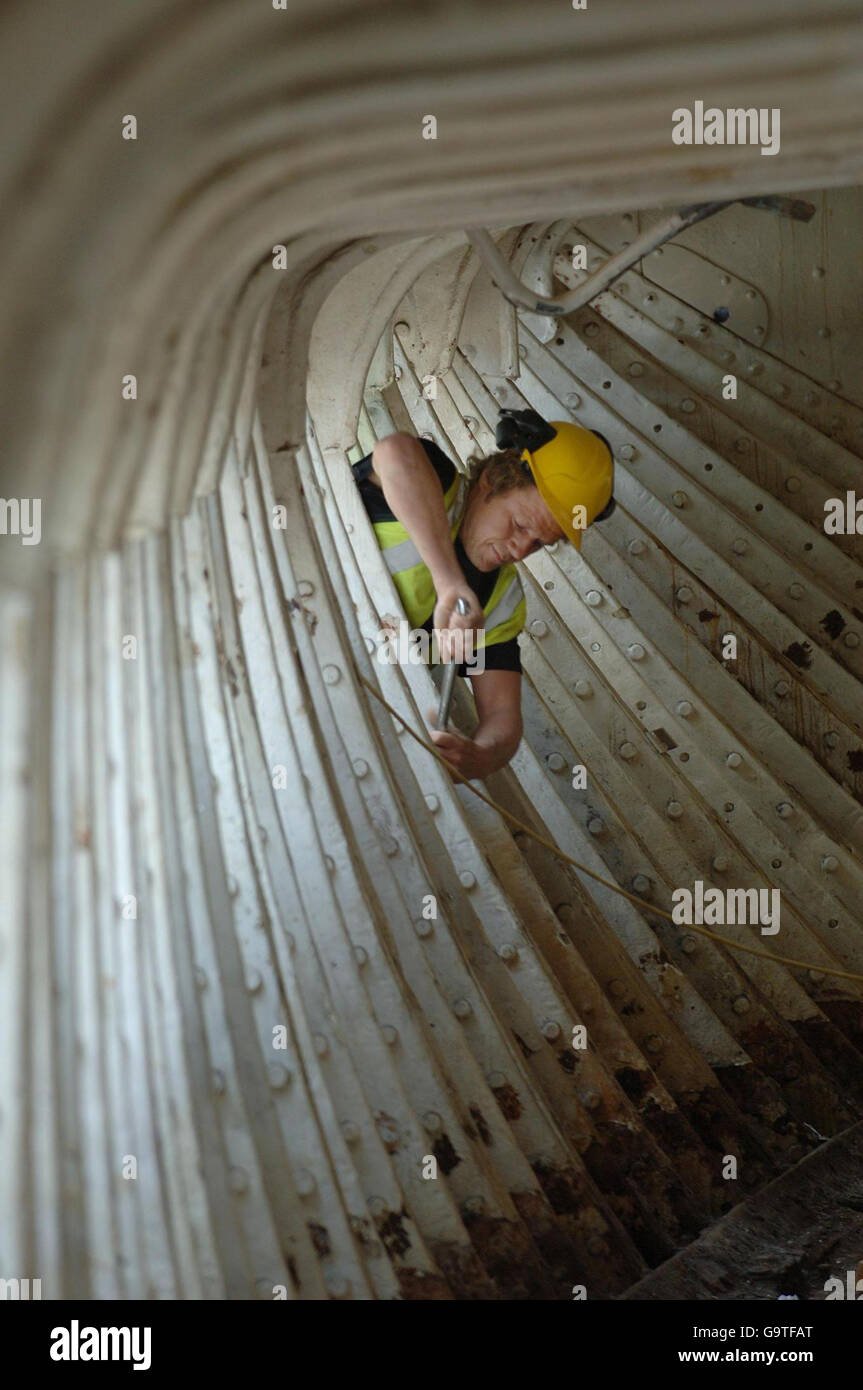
[233,1038]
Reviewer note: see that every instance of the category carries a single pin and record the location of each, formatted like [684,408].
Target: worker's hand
[471,759]
[447,620]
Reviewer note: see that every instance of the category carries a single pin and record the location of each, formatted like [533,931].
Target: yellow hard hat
[574,474]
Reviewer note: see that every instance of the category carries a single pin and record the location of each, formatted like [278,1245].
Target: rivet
[591,1100]
[851,639]
[591,330]
[781,688]
[684,709]
[238,1181]
[719,863]
[815,976]
[331,675]
[462,1008]
[654,1043]
[635,547]
[818,272]
[377,1206]
[641,885]
[321,1045]
[594,597]
[279,1076]
[831,738]
[627,452]
[432,802]
[423,927]
[233,886]
[597,1247]
[754,368]
[687,405]
[679,499]
[361,955]
[217,1081]
[471,423]
[785,809]
[795,590]
[388,1131]
[650,298]
[740,1005]
[555,762]
[835,385]
[330,863]
[508,953]
[829,864]
[305,588]
[759,331]
[550,1030]
[733,760]
[674,809]
[468,349]
[635,369]
[684,594]
[739,546]
[636,652]
[573,400]
[360,767]
[824,332]
[676,324]
[583,690]
[792,484]
[254,981]
[688,944]
[305,1183]
[389,1034]
[390,846]
[595,825]
[467,879]
[538,627]
[370,645]
[742,446]
[615,989]
[628,751]
[473,1206]
[703,331]
[432,1122]
[727,357]
[337,1285]
[782,390]
[200,978]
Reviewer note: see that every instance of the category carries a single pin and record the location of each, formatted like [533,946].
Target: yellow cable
[615,887]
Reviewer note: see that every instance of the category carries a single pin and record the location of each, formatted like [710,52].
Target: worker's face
[507,527]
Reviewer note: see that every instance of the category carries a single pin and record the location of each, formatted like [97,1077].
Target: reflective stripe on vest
[413,580]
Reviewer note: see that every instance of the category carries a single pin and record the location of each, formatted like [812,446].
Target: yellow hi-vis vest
[506,607]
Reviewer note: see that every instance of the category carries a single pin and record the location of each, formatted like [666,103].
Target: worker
[446,535]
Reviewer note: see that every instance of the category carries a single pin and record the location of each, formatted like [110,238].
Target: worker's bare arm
[414,495]
[498,734]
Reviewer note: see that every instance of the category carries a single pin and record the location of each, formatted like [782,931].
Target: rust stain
[480,1121]
[507,1098]
[833,623]
[445,1154]
[800,653]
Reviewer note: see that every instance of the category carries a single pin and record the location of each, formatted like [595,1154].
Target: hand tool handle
[462,606]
